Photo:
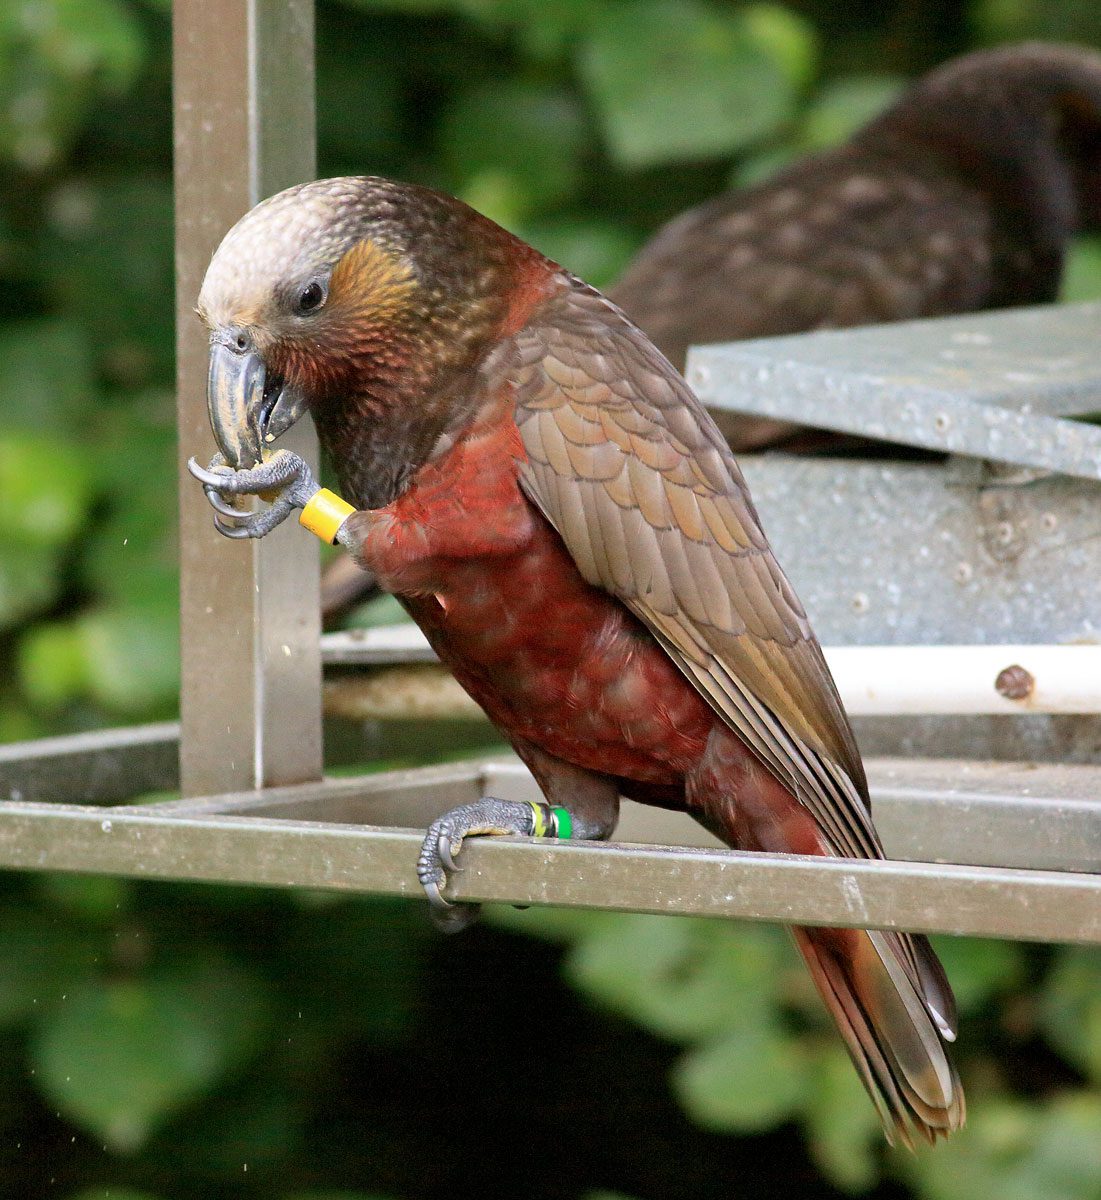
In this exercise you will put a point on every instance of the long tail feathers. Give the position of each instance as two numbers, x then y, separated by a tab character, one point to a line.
895	1022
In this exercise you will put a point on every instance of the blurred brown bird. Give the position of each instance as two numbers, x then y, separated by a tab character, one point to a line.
961	197
556	510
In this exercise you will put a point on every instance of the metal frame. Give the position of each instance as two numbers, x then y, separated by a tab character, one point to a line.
1001	849
243	87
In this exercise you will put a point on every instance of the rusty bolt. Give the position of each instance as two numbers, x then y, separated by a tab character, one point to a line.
1015	683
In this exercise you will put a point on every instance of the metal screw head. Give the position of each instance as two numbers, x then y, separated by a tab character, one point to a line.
942	422
963	572
860	603
1003	533
1015	683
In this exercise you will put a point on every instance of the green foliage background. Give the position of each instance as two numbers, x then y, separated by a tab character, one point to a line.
160	1042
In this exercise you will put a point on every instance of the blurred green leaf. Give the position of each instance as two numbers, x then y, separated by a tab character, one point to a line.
1016	1151
791	40
46	384
551	924
45	491
29	579
531	135
1070	1008
843	1128
683	979
752	1078
1082	276
118	1057
543	29
980	969
106	258
1052	20
126	659
842	106
98	899
54	59
52	665
597	251
133	657
42	961
674	81
756	168
132	553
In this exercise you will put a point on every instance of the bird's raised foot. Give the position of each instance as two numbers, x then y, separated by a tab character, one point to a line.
285	474
484	818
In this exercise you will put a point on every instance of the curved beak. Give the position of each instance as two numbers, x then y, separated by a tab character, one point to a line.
249	406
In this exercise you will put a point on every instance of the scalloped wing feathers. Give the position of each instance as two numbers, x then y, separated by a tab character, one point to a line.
628	467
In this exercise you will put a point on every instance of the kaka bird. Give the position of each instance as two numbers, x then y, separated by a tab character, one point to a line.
962	196
563	520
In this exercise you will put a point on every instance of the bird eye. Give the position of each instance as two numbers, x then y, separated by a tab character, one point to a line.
312	296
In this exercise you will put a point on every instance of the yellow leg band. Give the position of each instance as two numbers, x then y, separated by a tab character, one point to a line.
538	823
324	514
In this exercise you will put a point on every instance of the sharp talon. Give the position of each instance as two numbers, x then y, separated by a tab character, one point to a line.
435	896
212	479
237	532
447	850
219	504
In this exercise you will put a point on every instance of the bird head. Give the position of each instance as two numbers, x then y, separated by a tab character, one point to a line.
345	289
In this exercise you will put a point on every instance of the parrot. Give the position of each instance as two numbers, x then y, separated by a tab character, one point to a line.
552	505
963	195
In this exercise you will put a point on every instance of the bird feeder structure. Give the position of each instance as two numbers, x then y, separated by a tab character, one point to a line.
957	599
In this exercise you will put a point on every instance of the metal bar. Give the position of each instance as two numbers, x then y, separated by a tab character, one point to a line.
106	767
244	128
986	813
993	386
977	814
981	901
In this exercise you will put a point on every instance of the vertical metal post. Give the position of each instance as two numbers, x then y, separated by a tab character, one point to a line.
251	674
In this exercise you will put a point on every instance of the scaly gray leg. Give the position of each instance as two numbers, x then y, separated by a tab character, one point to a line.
590	801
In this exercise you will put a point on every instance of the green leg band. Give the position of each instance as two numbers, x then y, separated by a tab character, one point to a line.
563	823
550	822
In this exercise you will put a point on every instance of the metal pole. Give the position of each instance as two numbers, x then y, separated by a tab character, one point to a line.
244	128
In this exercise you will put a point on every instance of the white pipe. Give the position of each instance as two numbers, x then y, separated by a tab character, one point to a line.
908	680
898	680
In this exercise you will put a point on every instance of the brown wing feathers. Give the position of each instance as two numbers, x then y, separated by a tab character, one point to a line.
656	511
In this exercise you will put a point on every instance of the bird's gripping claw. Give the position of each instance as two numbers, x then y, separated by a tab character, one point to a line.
485	817
285	477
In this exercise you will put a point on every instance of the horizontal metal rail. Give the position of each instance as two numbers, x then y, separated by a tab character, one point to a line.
987	901
985	822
